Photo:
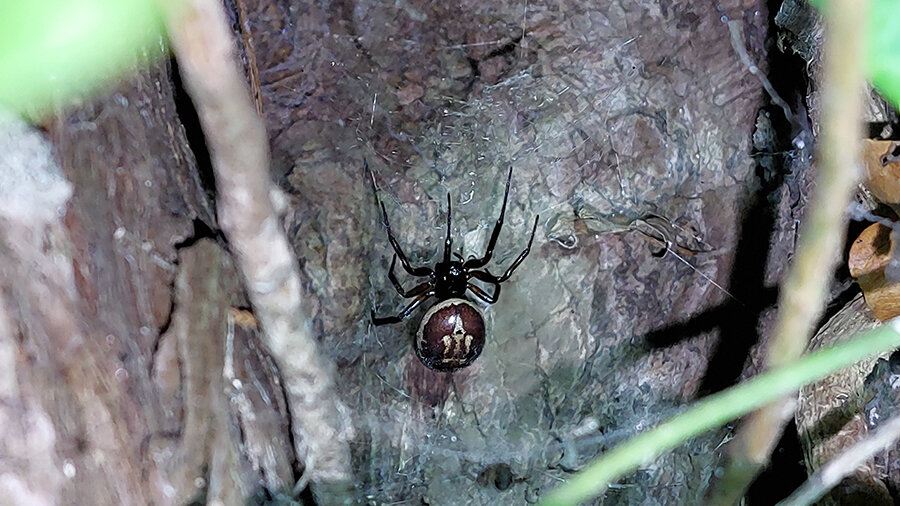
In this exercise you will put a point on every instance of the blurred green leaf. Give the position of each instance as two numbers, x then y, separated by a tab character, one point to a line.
882	46
54	50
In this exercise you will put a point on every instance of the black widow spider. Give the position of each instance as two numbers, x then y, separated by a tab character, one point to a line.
452	333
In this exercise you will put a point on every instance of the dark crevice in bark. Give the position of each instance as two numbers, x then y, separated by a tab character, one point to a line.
201	231
507	49
787	72
184	107
164	328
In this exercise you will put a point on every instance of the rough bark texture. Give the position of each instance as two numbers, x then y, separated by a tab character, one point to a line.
629	124
616	116
36	318
119	326
830	415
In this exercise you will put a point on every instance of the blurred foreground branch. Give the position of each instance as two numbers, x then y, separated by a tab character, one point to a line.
802	296
238	148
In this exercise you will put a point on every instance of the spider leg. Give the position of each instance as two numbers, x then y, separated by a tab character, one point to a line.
487	277
448	243
484	276
477	263
490	298
407	266
403	314
490	278
404	293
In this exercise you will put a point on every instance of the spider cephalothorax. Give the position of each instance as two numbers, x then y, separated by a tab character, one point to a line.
452	332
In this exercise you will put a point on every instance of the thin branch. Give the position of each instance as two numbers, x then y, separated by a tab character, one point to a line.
238	146
844	464
737	43
803	294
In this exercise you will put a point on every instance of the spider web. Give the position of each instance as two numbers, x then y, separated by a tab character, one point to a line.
627	135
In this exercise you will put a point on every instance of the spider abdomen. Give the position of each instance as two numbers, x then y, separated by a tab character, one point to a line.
451	335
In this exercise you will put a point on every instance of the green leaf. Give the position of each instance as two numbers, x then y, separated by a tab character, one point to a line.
882	46
54	50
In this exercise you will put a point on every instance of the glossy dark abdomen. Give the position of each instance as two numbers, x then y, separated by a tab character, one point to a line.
451	335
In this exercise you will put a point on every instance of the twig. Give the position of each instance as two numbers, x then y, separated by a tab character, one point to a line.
844	464
803	294
737	43
238	146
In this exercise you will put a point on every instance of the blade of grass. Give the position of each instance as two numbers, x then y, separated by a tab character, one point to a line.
718	409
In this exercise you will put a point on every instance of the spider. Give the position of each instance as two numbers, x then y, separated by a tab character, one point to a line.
451	334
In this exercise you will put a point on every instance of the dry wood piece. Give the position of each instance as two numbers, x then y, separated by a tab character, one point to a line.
882	162
213	448
828	415
869	256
